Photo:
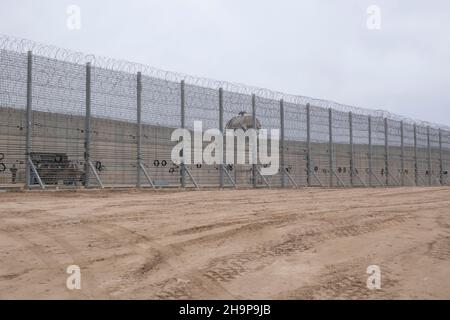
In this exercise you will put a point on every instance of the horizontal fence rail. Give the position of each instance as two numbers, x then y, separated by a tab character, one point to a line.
69	120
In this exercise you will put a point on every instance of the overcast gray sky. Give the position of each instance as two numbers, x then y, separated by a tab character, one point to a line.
321	49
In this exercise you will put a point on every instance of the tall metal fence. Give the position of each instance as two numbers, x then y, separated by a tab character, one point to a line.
73	120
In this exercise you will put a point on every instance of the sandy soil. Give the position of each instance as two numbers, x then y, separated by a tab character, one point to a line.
257	244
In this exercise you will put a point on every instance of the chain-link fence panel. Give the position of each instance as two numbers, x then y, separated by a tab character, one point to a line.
202	107
422	155
341	148
113	127
445	141
394	152
295	149
409	155
378	152
57	138
237	105
320	153
434	157
268	115
360	126
13	101
161	115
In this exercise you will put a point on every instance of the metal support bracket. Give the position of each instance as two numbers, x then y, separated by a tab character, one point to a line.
228	175
97	177
290	178
378	179
410	180
360	179
393	178
437	179
191	177
264	178
33	168
317	178
147	176
421	179
339	180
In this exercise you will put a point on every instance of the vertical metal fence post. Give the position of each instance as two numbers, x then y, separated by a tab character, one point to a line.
429	156
352	159
370	150
139	128
386	151
282	164
221	165
402	153
29	120
182	166
441	164
254	128
87	128
308	145
330	146
416	166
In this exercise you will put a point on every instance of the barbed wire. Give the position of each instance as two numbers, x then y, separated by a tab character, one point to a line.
125	67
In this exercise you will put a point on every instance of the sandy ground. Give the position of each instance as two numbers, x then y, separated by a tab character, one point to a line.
254	244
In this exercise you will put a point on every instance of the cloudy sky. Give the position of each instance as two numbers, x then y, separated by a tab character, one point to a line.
317	48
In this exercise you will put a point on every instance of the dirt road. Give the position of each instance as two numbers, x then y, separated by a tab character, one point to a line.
257	244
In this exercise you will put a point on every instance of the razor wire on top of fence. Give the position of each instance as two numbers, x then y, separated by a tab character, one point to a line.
82	110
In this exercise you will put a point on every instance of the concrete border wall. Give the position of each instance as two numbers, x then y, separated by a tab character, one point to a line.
114	147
